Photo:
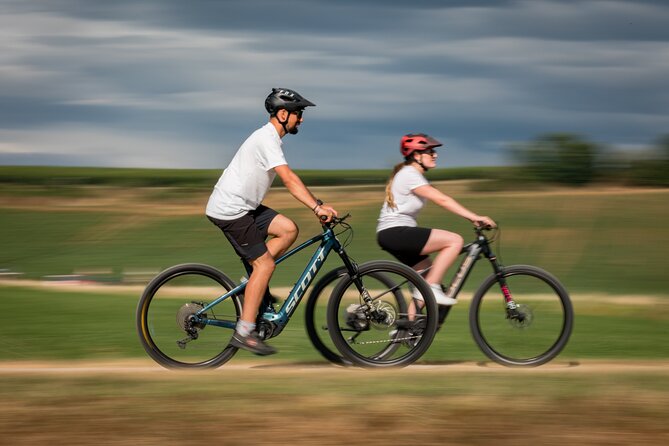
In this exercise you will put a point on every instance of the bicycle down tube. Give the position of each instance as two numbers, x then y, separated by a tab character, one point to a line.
280	318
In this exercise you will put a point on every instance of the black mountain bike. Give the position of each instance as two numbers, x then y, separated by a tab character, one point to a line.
520	315
188	313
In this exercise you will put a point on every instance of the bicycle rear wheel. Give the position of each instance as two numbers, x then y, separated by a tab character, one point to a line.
165	319
539	329
376	328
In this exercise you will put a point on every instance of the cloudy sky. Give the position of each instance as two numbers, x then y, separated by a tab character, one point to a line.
175	83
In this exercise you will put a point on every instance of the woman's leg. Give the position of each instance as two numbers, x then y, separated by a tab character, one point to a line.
448	246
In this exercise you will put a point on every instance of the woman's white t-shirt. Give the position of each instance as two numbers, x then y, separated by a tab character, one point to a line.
407	204
245	182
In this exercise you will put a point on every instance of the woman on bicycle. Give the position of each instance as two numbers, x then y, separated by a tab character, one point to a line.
406	193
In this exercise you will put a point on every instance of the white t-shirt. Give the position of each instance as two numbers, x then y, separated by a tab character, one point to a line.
244	183
407	204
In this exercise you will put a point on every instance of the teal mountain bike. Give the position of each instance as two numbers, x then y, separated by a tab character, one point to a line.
187	313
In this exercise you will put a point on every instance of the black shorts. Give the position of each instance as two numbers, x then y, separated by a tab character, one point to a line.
247	233
405	243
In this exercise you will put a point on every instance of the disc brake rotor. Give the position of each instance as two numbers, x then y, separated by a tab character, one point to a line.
524	317
387	313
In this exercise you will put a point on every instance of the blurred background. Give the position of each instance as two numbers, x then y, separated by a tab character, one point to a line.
117	118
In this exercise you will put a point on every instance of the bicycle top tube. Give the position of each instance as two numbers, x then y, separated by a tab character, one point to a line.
327	234
328	243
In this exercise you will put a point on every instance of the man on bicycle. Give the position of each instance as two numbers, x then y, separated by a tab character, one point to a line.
235	206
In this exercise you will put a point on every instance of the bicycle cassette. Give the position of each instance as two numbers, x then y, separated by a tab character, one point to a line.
186	317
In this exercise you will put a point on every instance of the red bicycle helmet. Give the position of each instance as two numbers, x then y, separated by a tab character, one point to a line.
416	142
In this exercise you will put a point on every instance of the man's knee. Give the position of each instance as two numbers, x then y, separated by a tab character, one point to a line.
284	227
292	230
264	263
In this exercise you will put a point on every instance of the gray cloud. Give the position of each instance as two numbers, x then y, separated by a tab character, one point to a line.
172	83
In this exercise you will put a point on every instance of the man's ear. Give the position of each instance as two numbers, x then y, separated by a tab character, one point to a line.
282	115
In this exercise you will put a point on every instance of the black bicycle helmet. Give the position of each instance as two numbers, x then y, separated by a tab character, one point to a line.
285	98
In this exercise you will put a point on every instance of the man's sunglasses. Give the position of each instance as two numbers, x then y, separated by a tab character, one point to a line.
298	113
428	152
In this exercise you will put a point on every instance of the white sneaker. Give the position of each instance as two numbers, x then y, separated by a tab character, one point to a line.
439	295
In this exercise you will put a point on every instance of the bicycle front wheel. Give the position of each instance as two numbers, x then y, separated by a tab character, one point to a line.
378	326
315	316
536	331
166	322
315	313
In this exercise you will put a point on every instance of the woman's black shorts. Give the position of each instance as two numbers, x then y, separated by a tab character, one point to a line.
405	243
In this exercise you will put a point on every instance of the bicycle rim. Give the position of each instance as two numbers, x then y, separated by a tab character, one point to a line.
539	333
315	316
387	334
165	309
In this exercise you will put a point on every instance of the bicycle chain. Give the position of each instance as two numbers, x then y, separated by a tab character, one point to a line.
388	340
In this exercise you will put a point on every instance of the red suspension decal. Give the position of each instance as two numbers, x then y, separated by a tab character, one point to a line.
507	293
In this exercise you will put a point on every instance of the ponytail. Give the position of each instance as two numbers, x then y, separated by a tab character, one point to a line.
389	195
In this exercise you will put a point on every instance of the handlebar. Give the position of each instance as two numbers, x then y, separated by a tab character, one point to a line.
479	228
334	222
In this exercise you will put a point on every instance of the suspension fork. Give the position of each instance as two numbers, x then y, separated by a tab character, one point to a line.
353	271
498	269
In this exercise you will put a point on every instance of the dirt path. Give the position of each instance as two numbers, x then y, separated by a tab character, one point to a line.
91	287
146	366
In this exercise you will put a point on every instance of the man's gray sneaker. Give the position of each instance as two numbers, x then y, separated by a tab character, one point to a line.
252	343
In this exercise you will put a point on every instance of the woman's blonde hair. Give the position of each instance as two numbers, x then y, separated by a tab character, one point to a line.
389	195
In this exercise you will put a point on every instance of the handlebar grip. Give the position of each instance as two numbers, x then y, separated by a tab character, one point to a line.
481	226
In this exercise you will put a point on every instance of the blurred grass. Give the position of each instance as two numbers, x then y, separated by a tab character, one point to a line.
502	407
594	240
52	323
606	245
600	242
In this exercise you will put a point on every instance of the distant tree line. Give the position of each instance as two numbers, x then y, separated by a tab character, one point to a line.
555	158
567	159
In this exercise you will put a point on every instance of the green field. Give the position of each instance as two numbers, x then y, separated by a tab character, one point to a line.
62	322
609	385
608	241
606	245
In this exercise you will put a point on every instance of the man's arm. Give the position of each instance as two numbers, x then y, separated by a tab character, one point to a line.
298	190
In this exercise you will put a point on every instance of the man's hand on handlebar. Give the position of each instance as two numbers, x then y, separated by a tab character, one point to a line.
325	213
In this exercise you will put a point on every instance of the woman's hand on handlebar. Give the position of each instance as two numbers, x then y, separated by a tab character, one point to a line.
484	222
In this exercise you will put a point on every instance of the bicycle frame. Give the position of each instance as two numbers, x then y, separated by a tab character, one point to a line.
328	243
474	250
